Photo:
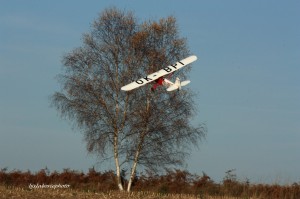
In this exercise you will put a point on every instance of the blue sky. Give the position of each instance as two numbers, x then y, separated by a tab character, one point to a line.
247	80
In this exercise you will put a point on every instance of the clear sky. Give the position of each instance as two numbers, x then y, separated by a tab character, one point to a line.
247	80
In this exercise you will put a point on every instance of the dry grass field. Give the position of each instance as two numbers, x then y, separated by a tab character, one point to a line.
22	193
173	184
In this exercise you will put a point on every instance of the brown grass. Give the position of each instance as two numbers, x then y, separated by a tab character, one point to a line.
21	193
172	184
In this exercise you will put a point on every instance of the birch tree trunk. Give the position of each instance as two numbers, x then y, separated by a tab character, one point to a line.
135	162
139	148
118	170
133	170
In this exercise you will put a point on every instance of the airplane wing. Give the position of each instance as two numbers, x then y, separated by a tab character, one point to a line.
160	73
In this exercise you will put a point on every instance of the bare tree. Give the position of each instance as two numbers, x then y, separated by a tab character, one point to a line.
137	127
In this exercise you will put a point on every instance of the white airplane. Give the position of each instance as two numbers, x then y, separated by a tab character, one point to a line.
159	79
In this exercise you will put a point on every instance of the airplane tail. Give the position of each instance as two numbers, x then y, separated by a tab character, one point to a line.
178	85
172	87
186	82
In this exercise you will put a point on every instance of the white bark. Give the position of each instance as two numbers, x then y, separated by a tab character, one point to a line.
132	175
116	156
119	181
138	151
